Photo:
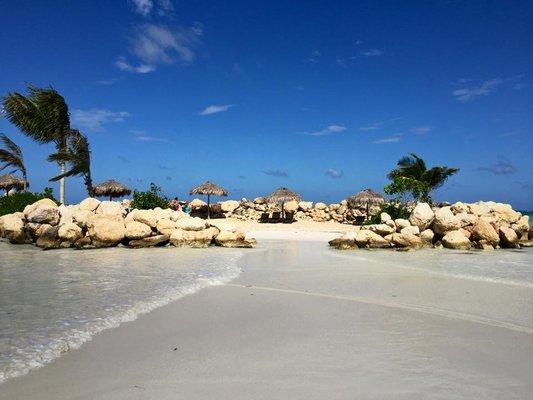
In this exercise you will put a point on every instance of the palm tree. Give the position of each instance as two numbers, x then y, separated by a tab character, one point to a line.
11	156
413	168
78	157
42	115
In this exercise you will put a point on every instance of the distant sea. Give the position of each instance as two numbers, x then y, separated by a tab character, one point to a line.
530	213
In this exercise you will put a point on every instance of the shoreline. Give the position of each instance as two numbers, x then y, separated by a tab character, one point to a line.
233	339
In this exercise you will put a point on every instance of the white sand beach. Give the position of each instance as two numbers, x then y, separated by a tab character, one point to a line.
303	321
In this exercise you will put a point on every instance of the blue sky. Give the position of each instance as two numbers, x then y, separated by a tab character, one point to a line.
323	97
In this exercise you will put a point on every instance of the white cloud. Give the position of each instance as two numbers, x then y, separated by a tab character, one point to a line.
94	118
334	173
123	65
330	130
389	139
422	130
372	53
145	7
213	109
484	89
144	137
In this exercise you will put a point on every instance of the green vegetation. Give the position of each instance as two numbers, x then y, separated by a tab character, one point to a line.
17	201
411	177
43	116
78	157
11	157
150	199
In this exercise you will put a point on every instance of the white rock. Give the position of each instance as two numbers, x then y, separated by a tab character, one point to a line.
110	208
137	230
70	232
166	226
422	216
445	221
105	229
191	224
89	204
229	206
402	223
320	206
305	205
385	217
456	240
410	230
44	214
43	202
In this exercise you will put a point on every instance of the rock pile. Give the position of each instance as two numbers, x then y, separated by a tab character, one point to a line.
481	225
303	210
95	224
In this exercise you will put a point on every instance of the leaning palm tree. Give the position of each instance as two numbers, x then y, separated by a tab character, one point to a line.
78	157
413	168
42	115
11	157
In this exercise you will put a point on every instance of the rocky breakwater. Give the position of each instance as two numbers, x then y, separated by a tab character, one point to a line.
481	225
303	210
95	224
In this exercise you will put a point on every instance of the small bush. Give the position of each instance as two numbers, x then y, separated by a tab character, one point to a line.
395	210
150	199
18	201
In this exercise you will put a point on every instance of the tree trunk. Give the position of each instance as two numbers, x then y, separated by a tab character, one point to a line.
62	184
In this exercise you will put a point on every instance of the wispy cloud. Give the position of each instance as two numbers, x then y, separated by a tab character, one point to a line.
329	130
277	172
473	92
502	167
144	137
334	173
145	7
95	118
374	126
372	53
389	139
214	109
123	65
422	130
157	44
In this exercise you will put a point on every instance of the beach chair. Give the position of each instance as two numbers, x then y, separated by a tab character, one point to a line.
359	220
289	218
264	218
276	217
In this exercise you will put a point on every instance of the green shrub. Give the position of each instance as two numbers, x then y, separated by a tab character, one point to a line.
18	201
395	210
150	199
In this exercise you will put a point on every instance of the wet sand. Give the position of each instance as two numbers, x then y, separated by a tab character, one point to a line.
306	322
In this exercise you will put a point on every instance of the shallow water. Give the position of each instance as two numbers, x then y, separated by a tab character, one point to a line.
53	301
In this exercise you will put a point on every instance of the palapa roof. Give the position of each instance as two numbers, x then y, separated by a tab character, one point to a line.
111	188
365	197
209	188
283	195
10	181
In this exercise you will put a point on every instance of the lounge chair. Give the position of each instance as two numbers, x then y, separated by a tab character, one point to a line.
264	217
276	217
289	218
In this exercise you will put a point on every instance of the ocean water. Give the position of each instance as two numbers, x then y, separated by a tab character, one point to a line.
53	301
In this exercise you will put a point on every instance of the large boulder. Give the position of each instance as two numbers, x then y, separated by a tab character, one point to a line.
412	230
401	223
459	207
521	227
166	226
456	240
12	228
197	204
191	224
384	217
422	216
259	200
147	217
229	206
194	239
48	237
43	202
291	206
105	230
406	240
508	237
80	217
380	229
305	205
137	230
44	214
66	214
152	241
70	232
110	208
505	212
178	215
445	221
483	230
230	239
366	238
466	219
320	206
89	204
223	225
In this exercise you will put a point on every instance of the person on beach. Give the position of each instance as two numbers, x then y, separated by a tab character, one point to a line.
175	204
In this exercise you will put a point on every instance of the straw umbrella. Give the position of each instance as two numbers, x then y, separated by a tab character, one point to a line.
365	197
283	195
10	181
112	189
209	189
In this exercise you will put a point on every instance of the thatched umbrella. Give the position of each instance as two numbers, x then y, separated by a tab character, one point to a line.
209	189
367	198
9	181
112	189
283	195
